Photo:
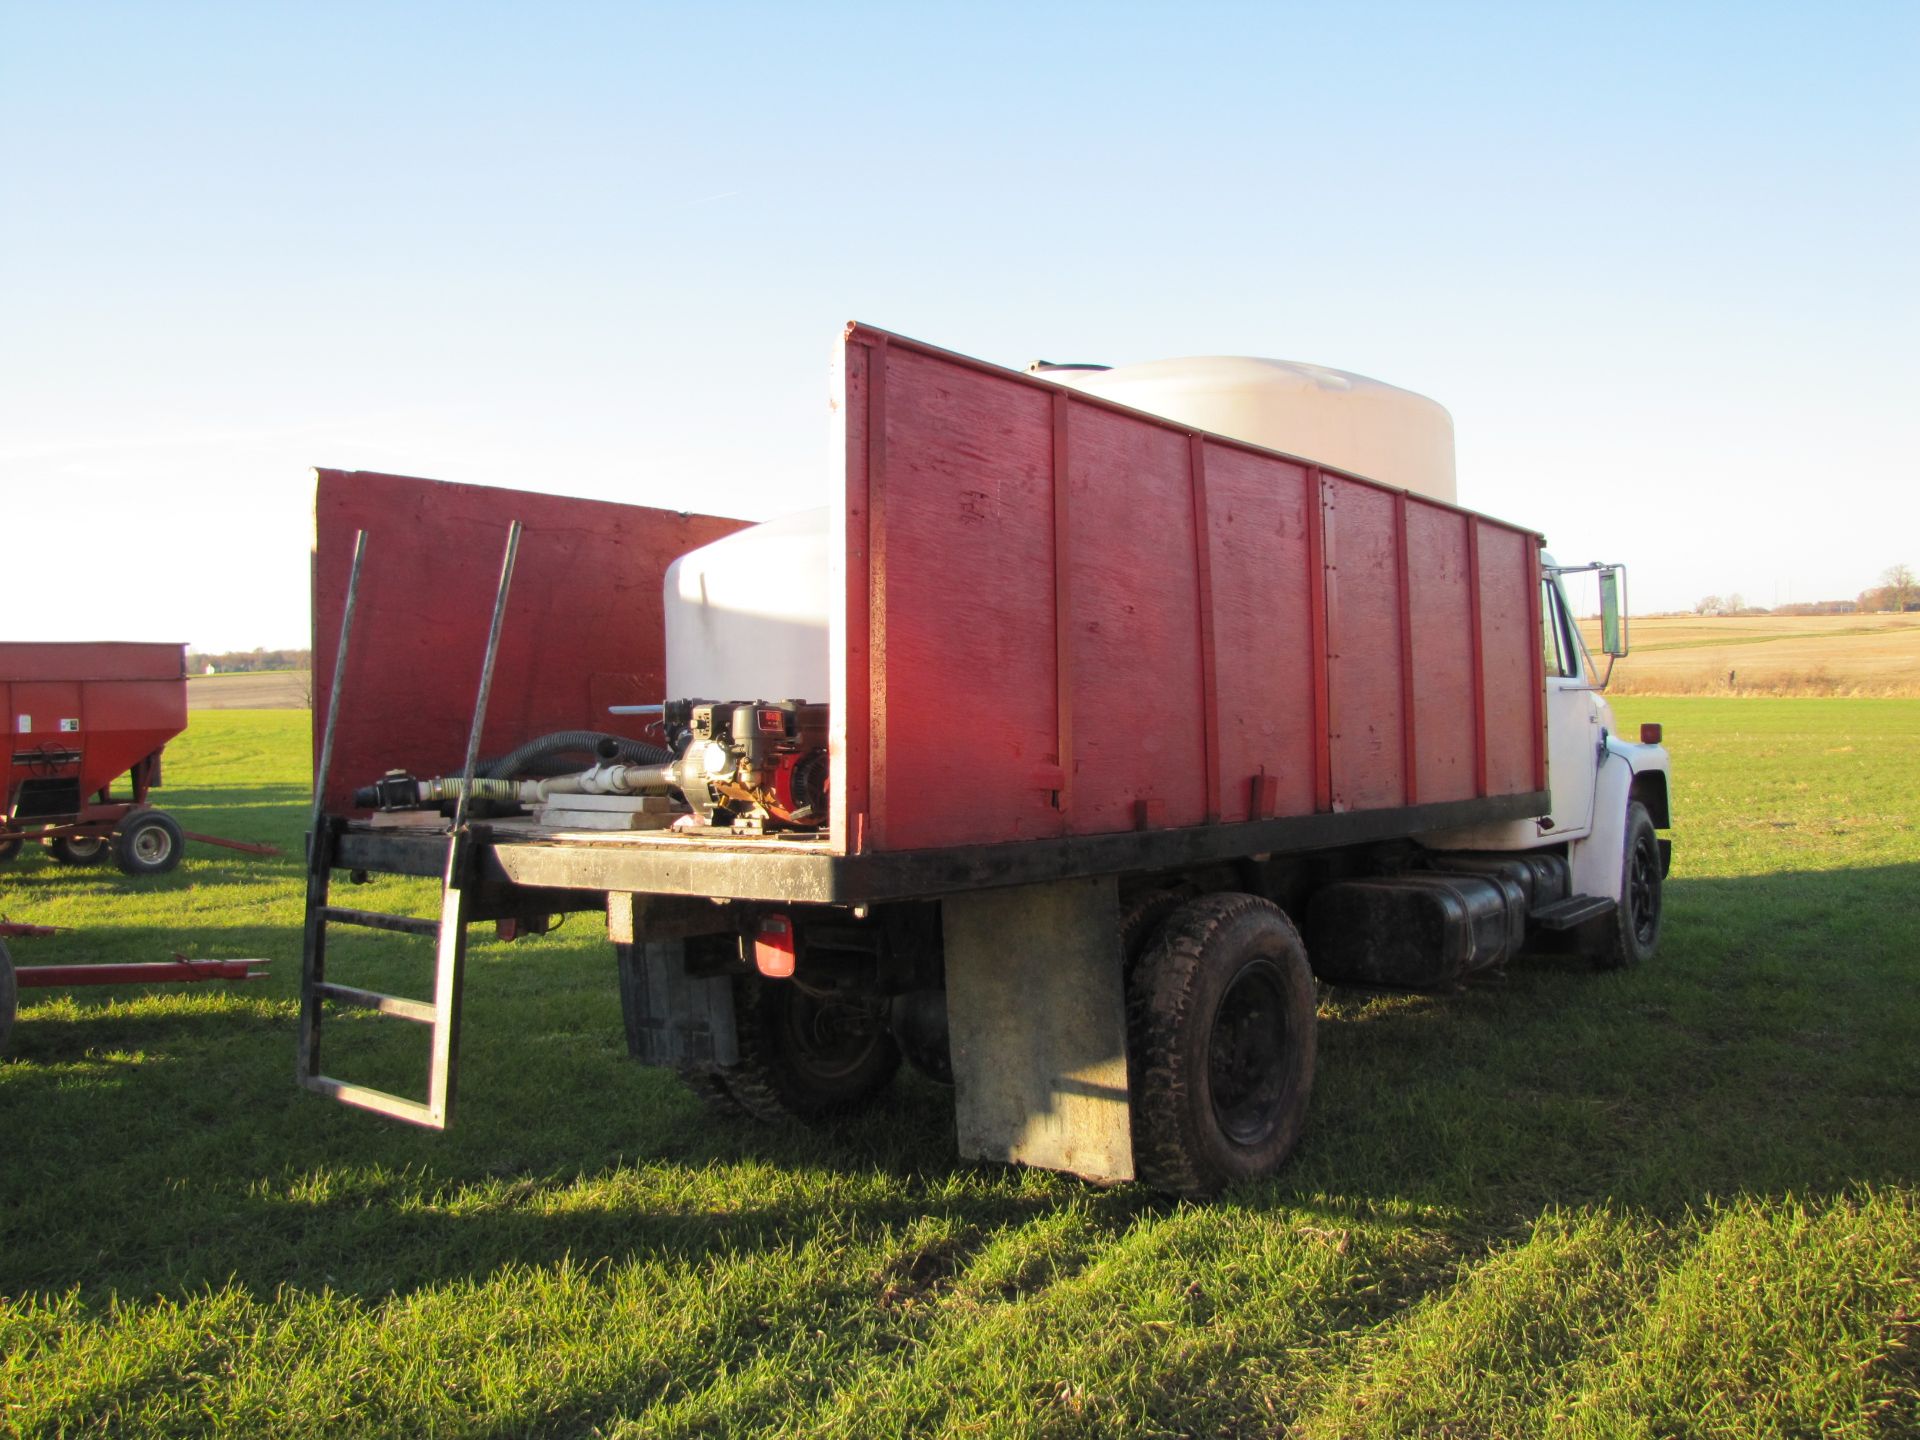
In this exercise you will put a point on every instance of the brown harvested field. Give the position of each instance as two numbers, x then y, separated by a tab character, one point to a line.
261	690
1769	655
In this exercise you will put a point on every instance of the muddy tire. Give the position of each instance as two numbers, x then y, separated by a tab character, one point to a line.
1636	934
802	1057
1220	1016
1142	923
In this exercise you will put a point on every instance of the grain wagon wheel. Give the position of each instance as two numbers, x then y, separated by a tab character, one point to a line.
78	849
149	843
1220	1015
9	848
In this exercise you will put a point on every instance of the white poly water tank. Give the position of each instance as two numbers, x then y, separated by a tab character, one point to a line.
1338	419
747	615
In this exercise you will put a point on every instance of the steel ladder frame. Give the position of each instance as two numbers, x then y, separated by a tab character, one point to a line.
449	932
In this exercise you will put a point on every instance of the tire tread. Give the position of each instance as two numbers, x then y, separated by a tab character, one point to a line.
1160	1005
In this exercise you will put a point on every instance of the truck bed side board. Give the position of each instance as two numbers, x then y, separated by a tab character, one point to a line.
1067	618
584	628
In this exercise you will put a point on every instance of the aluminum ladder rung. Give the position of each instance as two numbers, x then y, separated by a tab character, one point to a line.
375	920
421	1012
365	1097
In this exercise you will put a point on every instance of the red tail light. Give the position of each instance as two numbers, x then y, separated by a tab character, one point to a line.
773	947
1650	734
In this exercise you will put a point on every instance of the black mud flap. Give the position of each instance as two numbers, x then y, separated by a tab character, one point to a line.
681	1021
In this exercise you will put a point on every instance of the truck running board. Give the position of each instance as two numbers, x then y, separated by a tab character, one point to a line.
1575	910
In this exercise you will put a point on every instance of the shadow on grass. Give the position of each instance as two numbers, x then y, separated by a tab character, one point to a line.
162	1146
1765	1050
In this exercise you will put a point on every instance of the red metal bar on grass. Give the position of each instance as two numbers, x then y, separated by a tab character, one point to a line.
19	929
251	847
162	972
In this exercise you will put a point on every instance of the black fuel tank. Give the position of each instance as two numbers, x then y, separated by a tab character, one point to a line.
1418	931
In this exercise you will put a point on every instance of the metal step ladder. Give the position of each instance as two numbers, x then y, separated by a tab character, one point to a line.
448	933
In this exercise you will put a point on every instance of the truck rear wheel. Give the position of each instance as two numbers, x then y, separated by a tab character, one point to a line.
803	1055
1637	934
1221	1023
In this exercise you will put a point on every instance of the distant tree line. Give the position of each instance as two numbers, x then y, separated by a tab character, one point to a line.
1734	604
230	661
1818	607
1897	591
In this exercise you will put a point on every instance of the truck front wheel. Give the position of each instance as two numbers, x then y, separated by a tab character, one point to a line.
1221	1023
805	1055
1637	934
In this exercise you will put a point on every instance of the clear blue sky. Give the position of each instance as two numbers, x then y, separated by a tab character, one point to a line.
1658	260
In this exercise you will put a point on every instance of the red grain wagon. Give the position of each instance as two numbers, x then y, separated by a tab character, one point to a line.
79	717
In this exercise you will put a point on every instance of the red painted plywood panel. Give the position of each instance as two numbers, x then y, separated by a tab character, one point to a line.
584	621
1509	571
1365	714
1137	681
1442	652
1258	510
1002	618
963	611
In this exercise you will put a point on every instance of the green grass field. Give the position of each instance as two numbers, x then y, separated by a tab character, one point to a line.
1678	1201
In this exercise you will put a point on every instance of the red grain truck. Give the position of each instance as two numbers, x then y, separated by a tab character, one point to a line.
1087	737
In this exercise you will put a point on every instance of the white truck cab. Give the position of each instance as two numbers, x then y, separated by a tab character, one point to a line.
1609	794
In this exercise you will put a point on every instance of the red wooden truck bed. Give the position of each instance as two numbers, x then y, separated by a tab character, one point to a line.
1075	639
